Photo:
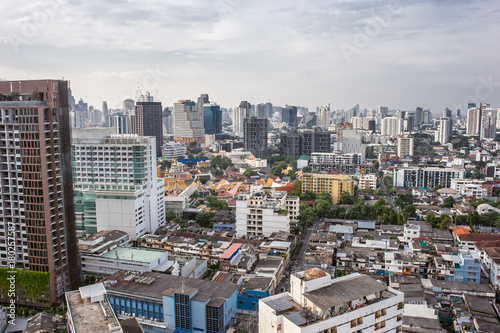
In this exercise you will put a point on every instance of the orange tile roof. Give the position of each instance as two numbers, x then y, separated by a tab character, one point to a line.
460	231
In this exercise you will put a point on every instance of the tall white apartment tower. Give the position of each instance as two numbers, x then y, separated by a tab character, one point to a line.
405	145
444	130
115	183
391	126
324	116
473	121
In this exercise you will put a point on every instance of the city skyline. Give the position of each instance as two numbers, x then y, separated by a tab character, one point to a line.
299	53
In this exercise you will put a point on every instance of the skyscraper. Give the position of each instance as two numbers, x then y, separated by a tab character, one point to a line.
324	116
311	120
255	136
391	126
447	113
212	118
405	145
261	111
188	125
105	113
202	100
128	106
269	109
488	123
418	116
289	115
148	121
121	122
37	185
127	195
473	121
444	130
382	110
305	142
426	117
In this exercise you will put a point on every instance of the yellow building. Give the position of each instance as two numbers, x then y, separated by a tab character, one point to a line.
333	184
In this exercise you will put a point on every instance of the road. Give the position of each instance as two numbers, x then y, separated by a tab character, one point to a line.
299	260
387	197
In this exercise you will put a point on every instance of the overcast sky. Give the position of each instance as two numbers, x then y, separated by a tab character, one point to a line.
401	54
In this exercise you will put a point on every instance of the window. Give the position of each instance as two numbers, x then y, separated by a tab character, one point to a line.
182	311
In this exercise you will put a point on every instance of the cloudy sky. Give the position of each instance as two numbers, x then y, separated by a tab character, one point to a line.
403	54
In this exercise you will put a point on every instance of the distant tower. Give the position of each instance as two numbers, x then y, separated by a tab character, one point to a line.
255	136
105	113
202	100
148	121
488	123
324	116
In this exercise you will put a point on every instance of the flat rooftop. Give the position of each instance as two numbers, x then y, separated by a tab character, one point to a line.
215	293
90	317
134	254
344	291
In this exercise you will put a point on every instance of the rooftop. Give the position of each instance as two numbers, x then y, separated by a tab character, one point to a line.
81	310
215	293
134	254
344	291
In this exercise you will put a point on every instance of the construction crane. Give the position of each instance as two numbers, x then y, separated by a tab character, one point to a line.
139	96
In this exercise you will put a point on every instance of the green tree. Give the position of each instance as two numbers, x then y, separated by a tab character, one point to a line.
444	223
448	202
250	173
325	196
204	219
323	207
346	198
297	191
292	174
308	195
170	215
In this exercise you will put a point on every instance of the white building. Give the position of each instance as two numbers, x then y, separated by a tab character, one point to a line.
428	177
391	126
411	231
175	150
473	121
368	182
115	183
261	214
238	115
405	145
324	116
318	303
469	187
443	134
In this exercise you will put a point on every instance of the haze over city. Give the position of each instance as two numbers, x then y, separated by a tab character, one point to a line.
402	54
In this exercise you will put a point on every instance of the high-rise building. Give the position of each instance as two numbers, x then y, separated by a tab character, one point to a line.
372	125
444	130
212	118
474	121
168	119
200	102
115	183
147	121
426	117
187	122
239	113
391	126
447	113
409	122
121	122
324	116
383	110
333	184
305	142
459	113
311	120
128	106
269	110
405	145
357	122
261	111
289	115
341	127
37	187
255	136
105	113
488	123
498	118
418	116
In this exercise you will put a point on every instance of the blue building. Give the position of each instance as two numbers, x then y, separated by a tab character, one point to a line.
165	303
212	118
467	269
289	115
253	290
